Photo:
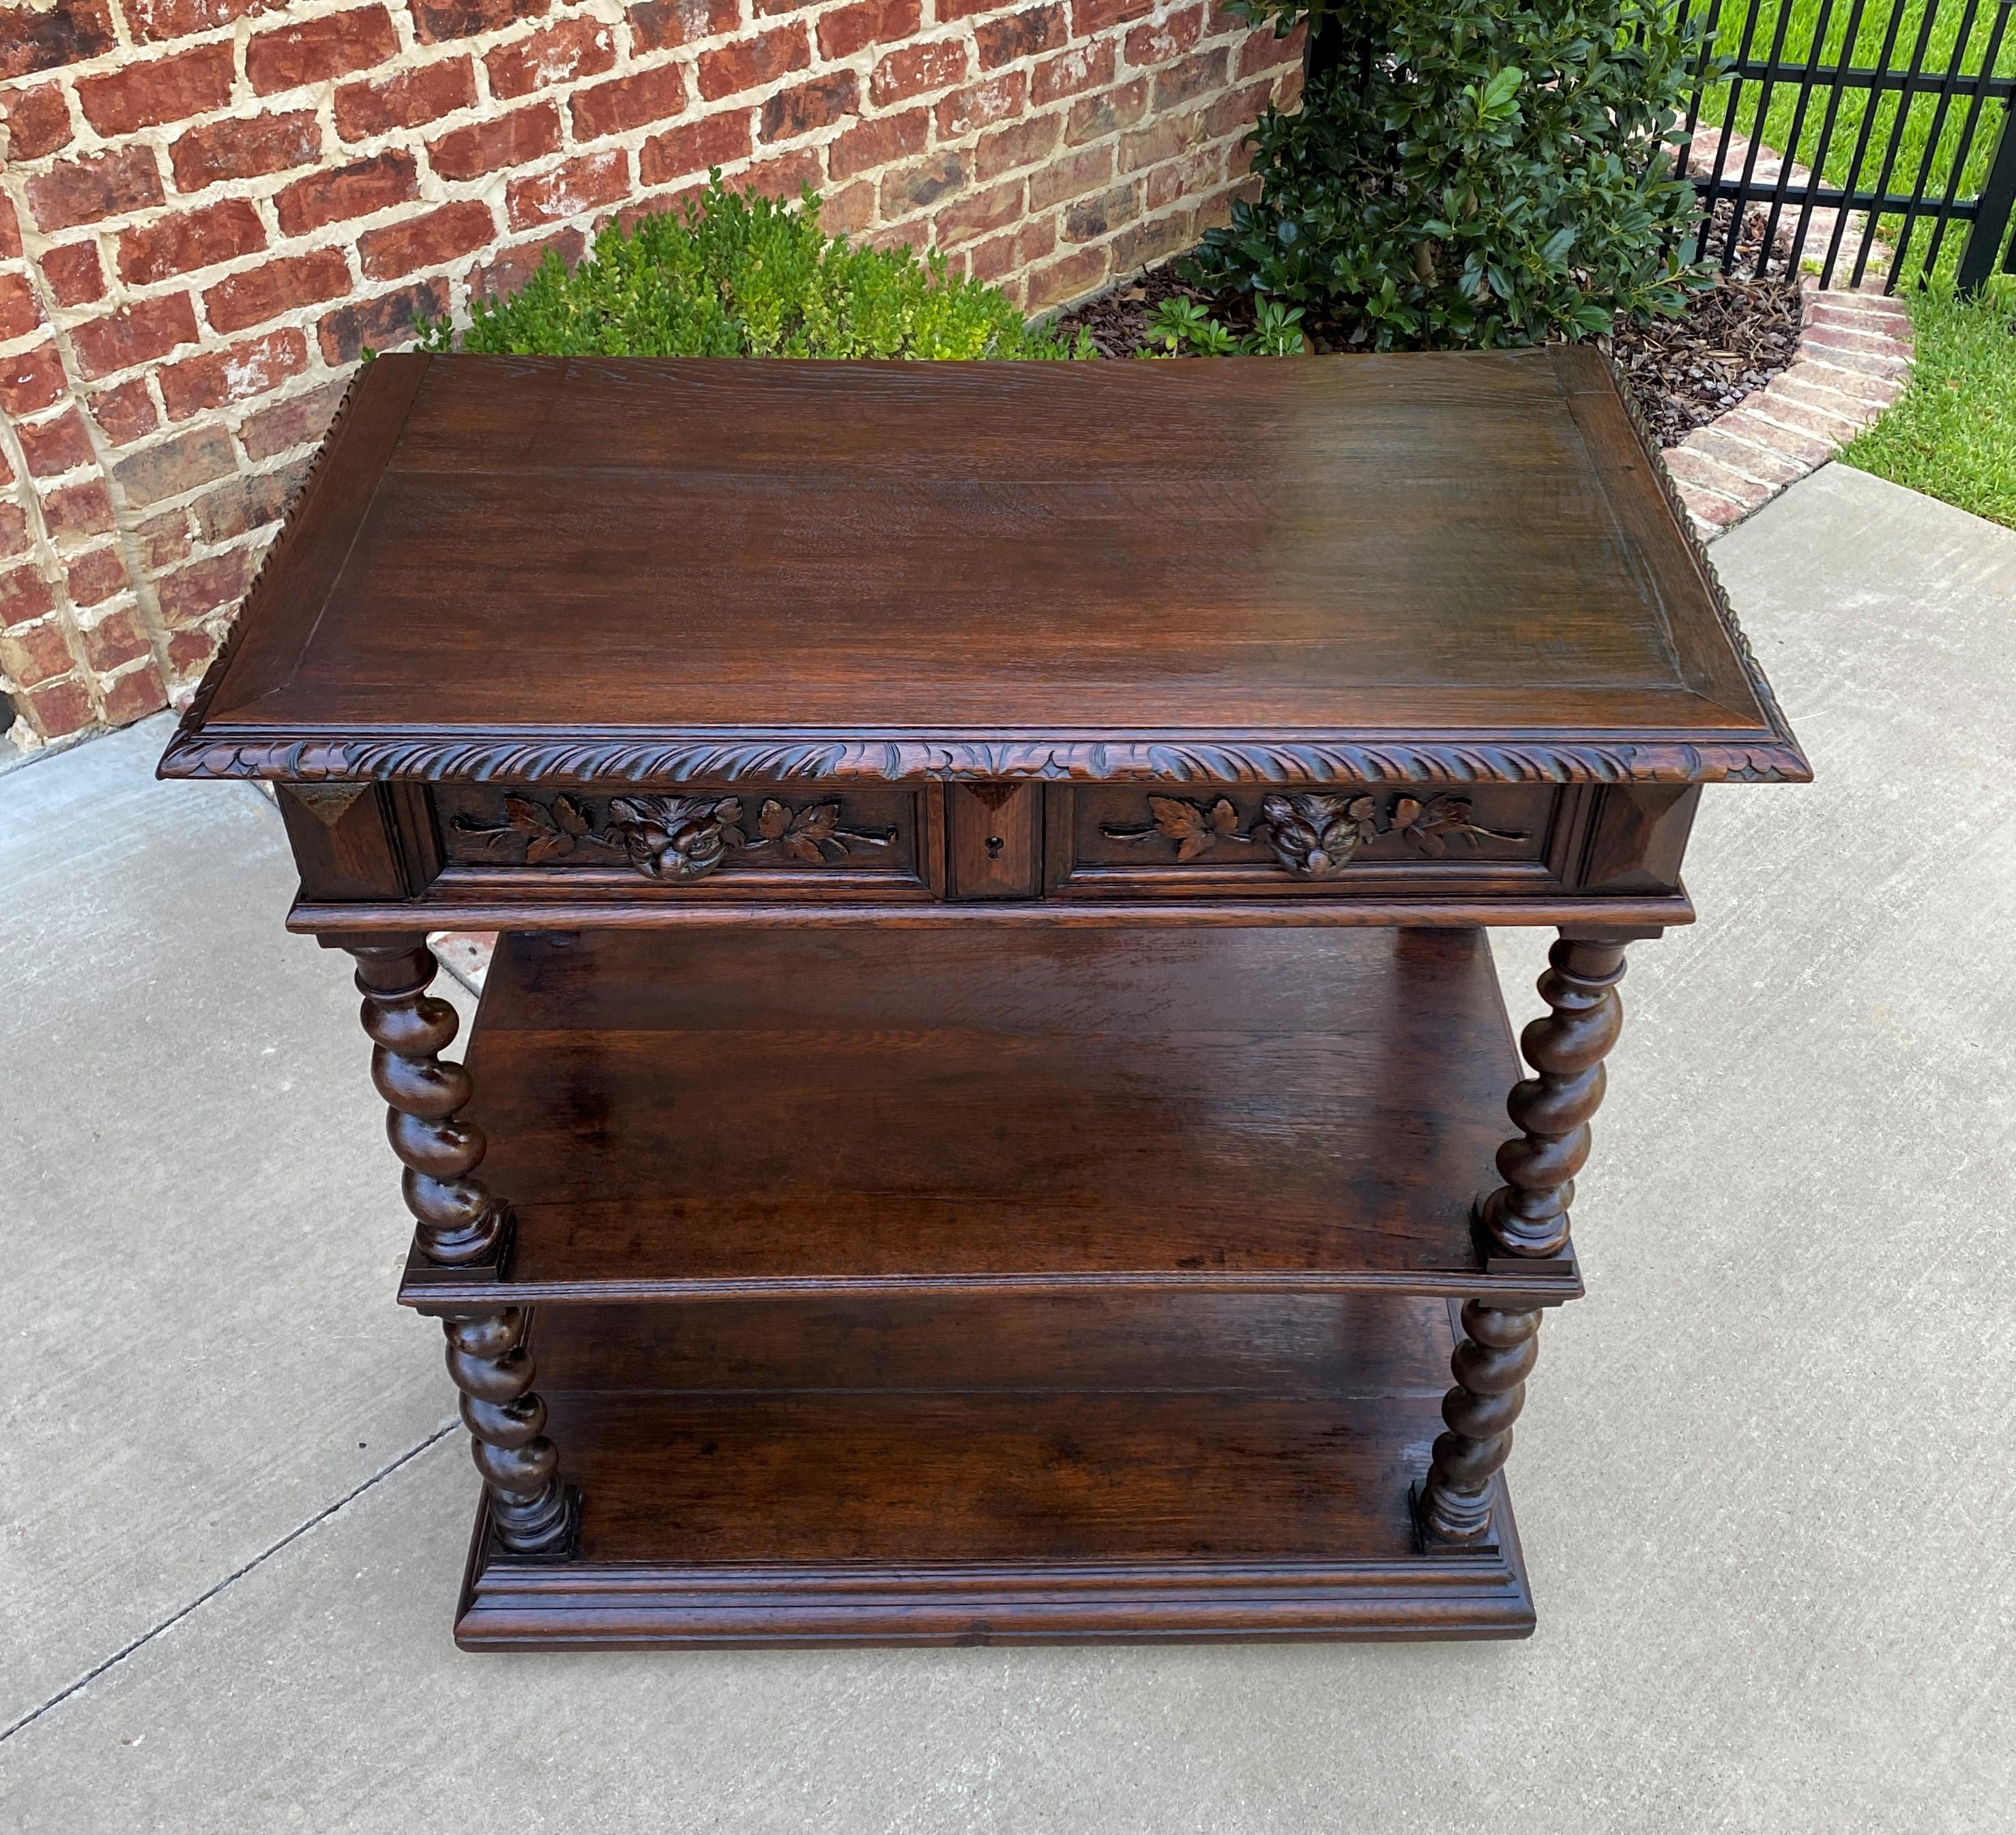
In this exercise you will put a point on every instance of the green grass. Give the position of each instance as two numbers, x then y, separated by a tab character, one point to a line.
1952	434
1903	140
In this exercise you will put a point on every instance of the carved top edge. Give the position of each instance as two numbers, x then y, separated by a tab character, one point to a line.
579	759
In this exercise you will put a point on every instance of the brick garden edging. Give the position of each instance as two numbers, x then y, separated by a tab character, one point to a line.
1854	353
208	207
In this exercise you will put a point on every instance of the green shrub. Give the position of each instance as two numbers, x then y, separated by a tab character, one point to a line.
1471	172
737	274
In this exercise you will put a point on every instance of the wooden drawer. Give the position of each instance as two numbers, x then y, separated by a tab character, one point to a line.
708	841
1332	840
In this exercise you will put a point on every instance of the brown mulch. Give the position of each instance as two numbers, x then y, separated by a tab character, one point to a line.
1734	337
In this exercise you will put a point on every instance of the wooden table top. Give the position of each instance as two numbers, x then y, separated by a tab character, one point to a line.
1370	568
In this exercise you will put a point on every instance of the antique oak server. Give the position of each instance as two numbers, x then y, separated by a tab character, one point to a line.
987	1121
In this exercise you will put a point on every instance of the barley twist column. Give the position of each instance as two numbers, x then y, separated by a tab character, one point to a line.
528	1504
1527	1216
460	1223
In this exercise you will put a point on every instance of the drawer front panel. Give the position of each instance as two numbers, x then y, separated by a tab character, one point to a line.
1349	840
709	841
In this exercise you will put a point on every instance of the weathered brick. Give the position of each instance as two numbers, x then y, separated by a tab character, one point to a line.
31	654
714	140
435	21
253	366
1094	118
293	422
355	190
365	109
164	89
1262	51
78	510
190	592
661	25
1072	72
510	268
1020	247
50	448
1185	177
849	29
91	579
274	287
563	53
13	527
249	148
849	210
1070	277
285	57
155	21
877	142
24	595
1166	137
116	638
1000	98
379	323
31	379
97	184
753	61
1021	145
18	313
976	216
1750	424
1072	176
1091	217
1819	421
60	709
35	38
566	191
1235	110
125	412
914	69
197	239
73	271
162	540
1090	17
946	12
132	696
1020	34
36	121
10	230
515	139
191	653
785	175
239	505
1141	244
1185	82
811	105
1760	463
190	458
918	187
136	333
631	102
1160	40
426	241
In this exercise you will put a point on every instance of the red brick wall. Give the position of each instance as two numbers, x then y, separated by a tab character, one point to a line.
210	206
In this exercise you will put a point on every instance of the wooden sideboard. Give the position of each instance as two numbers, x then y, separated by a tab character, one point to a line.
989	1118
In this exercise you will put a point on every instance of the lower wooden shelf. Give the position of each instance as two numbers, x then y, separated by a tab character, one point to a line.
995	1469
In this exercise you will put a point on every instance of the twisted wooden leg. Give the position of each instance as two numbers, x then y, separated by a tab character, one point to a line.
1529	1214
460	1223
529	1506
1526	1217
1490	1366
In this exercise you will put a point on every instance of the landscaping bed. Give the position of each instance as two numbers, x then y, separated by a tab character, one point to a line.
1734	337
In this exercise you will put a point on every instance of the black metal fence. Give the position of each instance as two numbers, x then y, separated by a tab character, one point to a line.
1857	169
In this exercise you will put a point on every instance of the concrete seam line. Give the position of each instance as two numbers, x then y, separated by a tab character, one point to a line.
264	1555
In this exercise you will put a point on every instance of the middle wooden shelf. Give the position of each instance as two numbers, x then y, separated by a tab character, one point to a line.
765	1110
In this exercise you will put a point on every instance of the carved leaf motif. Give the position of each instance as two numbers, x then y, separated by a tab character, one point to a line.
567	813
773	819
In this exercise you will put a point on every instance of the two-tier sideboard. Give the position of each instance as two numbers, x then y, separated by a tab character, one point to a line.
989	1118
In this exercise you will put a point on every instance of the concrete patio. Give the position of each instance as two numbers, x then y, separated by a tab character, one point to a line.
1763	1478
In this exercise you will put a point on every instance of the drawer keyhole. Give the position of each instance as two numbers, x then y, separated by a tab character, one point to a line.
995	844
